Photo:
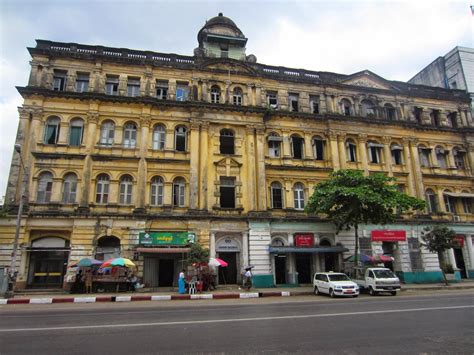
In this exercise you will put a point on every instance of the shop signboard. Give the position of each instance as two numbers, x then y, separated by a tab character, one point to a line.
459	241
227	245
166	238
305	240
389	236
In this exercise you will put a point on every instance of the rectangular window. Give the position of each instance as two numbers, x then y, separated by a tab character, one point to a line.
314	104
59	80
69	195
352	152
162	90
418	112
75	139
125	194
111	85
318	146
156	194
272	100
227	192
424	157
274	148
297	147
467	205
396	156
293	102
133	87
182	92
277	197
82	82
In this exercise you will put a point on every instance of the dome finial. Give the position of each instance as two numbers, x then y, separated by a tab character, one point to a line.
221	14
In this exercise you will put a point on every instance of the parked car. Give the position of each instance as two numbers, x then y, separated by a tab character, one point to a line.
377	279
334	284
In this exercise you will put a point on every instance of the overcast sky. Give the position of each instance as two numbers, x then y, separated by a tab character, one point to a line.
394	39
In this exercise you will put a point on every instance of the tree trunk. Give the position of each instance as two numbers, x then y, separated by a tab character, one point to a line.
442	264
356	253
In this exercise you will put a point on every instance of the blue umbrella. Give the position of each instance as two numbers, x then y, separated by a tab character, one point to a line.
362	258
88	262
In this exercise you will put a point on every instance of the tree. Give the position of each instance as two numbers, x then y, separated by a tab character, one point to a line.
437	240
197	254
349	199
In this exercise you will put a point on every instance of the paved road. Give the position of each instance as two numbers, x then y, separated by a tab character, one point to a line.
442	323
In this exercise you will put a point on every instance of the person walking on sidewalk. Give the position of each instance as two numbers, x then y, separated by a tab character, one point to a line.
88	281
248	279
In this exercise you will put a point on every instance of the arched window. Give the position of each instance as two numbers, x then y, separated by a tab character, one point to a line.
397	154
108	247
298	193
237	96
431	201
375	152
130	135
215	94
368	108
276	195
51	130
441	155
102	189
69	188
180	139
351	150
346	107
227	141
179	190
45	187
424	154
449	202
390	112
459	158
159	137
297	146
126	186
319	145
107	133
76	132
274	145
156	198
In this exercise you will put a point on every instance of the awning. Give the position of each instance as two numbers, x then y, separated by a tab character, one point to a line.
163	250
396	147
375	145
459	194
283	250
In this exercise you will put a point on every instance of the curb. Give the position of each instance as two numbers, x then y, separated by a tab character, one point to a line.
138	298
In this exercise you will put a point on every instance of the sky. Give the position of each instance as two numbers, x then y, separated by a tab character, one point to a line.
394	39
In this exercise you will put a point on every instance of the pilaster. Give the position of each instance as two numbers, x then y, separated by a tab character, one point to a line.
251	174
194	166
387	155
362	145
332	136
261	184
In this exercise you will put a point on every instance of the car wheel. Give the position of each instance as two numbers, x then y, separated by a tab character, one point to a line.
372	292
331	293
393	293
316	291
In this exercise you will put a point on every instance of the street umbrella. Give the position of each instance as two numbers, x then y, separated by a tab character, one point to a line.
382	258
249	267
87	262
118	262
217	262
362	258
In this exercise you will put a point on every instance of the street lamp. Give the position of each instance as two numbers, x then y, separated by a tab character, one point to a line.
12	274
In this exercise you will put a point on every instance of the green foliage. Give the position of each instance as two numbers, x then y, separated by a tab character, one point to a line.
349	198
438	238
197	254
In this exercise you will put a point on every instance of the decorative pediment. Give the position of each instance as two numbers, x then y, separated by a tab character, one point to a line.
228	162
222	65
369	80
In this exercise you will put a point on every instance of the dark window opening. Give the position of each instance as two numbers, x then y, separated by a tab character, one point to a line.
277	196
396	156
297	145
318	149
418	113
180	143
59	80
293	99
452	119
227	192
435	118
111	85
227	142
161	90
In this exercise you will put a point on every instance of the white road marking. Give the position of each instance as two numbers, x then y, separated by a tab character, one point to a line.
131	325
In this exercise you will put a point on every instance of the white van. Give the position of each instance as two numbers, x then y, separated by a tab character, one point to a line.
377	279
334	284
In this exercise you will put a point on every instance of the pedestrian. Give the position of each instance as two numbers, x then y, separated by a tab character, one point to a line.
181	283
88	281
248	279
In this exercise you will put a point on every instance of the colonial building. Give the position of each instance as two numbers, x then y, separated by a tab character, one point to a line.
140	153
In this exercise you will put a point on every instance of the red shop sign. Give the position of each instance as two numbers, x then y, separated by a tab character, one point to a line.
304	240
459	240
389	236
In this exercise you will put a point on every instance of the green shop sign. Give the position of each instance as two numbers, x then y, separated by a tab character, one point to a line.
166	238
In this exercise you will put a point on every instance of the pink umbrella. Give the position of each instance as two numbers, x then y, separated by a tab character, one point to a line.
217	262
382	258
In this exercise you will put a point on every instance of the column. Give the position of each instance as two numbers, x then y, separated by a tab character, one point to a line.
308	146
56	191
470	157
452	259
387	155
204	91
361	142
247	98
145	122
341	144
332	135
408	167
442	205
257	100
329	107
286	153
169	140
194	166
470	251
212	245
261	183
203	181
245	248
251	157
92	119
450	159
417	174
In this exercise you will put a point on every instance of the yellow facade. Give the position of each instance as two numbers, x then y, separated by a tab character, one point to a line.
363	112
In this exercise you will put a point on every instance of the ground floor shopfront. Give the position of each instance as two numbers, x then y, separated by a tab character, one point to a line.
282	252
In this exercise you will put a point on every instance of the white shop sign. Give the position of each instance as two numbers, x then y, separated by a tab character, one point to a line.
227	244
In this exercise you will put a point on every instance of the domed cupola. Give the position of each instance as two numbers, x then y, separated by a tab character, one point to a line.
221	38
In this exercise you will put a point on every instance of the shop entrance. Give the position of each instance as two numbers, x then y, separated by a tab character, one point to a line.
228	275
165	273
329	258
389	250
280	269
303	268
460	262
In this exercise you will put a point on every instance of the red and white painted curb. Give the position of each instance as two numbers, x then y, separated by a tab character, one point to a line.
133	298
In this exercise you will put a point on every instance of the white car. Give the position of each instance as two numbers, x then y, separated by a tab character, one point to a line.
334	284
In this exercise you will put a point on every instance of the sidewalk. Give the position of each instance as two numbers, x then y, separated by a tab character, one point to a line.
223	292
